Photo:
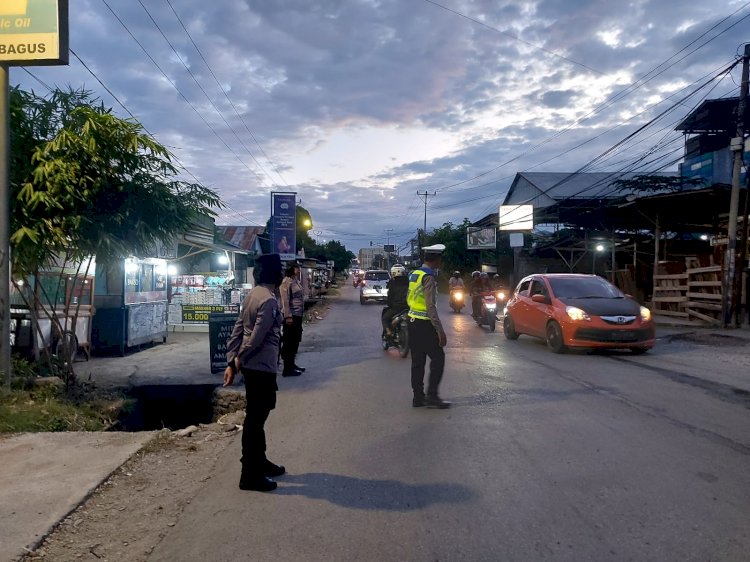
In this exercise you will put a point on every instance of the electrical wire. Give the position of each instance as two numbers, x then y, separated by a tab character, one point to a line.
226	94
182	95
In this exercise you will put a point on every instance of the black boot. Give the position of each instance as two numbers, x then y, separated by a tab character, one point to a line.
272	470
418	401
437	403
257	483
290	371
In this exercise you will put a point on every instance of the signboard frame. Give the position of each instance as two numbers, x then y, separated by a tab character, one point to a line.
284	224
481	238
62	34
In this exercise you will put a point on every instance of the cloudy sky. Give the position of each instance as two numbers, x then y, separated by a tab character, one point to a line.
358	104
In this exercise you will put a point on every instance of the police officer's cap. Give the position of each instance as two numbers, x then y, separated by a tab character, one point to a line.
434	250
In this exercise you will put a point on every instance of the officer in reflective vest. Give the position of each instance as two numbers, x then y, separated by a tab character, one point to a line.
426	334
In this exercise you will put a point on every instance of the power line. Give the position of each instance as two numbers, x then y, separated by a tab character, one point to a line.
617	96
226	94
195	110
192	75
515	37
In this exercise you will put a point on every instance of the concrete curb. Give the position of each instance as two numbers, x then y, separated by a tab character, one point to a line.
47	476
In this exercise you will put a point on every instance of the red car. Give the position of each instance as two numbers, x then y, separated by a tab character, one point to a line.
583	311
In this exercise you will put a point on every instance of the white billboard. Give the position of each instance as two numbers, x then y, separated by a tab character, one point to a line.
478	238
517	217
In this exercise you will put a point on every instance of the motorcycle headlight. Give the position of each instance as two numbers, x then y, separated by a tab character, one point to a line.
491	306
458	295
645	314
576	313
501	295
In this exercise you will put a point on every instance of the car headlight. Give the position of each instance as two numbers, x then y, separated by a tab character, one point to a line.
576	313
645	314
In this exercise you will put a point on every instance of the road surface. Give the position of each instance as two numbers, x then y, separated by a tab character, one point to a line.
542	457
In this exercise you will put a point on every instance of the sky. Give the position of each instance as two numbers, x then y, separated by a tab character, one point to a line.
357	105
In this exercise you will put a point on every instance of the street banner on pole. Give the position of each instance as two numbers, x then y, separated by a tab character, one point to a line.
284	225
33	32
478	238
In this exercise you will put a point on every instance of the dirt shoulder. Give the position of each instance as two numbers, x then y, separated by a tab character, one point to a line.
127	516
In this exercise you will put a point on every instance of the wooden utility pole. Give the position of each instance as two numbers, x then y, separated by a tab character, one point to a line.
426	195
728	298
5	364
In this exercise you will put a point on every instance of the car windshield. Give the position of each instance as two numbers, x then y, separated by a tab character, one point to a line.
584	288
377	276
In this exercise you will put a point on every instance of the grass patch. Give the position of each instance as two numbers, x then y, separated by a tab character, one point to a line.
37	404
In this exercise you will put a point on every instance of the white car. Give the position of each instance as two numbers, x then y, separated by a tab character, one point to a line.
373	286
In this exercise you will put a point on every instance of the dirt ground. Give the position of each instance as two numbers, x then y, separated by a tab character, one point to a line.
130	513
127	516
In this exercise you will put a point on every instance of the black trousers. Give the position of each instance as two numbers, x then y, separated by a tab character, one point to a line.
260	393
424	342
290	340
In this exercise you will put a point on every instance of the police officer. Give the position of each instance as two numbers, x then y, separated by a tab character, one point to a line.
426	334
253	349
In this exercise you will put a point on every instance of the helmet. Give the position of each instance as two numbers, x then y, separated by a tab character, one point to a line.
475	274
397	270
483	275
496	276
456	274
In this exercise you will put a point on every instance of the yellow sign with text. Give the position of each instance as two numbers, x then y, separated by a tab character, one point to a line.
33	31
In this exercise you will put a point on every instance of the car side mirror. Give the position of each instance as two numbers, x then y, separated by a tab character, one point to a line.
540	299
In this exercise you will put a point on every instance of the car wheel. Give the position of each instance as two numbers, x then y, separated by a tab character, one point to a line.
509	328
639	350
555	337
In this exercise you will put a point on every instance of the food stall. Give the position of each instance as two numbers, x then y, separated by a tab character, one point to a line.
131	304
193	297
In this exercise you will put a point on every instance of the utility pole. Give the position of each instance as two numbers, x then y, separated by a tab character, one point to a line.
737	146
388	243
5	365
426	195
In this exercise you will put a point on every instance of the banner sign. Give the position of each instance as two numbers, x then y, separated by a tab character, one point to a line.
517	217
284	225
33	32
478	238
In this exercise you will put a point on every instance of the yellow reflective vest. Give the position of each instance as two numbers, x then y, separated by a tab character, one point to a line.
415	299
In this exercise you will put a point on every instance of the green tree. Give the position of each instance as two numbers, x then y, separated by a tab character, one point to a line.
85	182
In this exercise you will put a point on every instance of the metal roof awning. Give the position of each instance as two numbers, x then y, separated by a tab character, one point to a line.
197	245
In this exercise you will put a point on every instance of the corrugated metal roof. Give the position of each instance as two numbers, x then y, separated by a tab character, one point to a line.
241	236
543	189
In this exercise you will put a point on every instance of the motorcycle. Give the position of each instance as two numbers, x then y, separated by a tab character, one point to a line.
356	281
399	334
457	301
488	311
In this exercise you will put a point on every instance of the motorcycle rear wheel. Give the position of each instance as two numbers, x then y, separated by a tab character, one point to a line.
403	342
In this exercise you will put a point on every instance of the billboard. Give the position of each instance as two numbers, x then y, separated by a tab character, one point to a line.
481	238
33	32
389	248
284	225
517	217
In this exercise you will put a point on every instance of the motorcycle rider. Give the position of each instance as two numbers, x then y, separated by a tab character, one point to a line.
476	289
398	288
496	284
456	282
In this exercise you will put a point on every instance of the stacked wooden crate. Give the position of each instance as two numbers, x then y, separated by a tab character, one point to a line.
670	295
704	294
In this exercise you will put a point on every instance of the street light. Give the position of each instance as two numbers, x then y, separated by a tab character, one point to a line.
307	223
597	248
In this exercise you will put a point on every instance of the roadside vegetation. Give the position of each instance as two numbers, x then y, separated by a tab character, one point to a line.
37	403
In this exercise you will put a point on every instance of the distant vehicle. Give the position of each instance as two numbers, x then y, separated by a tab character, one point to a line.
582	311
373	286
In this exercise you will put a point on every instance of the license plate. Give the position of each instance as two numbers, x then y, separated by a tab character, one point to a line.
377	287
625	335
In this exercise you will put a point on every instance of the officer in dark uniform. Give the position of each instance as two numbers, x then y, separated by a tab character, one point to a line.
426	335
253	349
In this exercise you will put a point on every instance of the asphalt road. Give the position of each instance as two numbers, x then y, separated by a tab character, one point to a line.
542	457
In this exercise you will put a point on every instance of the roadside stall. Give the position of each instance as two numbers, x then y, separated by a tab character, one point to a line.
131	304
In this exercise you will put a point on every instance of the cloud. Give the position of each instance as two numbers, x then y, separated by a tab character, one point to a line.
360	103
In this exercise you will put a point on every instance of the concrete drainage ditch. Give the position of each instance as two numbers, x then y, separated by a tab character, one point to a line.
178	406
